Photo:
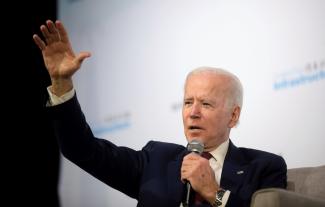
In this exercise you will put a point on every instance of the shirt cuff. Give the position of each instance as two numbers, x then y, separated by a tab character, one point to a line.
225	198
56	100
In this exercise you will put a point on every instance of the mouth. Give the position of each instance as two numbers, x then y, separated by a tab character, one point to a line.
194	127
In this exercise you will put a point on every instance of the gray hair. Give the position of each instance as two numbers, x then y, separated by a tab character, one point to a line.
236	88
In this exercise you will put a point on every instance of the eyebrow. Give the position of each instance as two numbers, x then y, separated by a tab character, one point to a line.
200	99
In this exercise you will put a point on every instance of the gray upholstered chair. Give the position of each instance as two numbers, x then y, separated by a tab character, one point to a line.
306	187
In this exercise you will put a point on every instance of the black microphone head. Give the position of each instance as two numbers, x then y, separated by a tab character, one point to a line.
195	146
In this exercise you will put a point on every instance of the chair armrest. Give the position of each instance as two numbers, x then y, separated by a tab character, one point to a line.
276	197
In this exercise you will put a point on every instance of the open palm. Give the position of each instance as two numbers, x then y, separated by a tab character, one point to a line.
59	58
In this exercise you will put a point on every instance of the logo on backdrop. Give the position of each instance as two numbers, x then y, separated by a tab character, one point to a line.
176	106
302	75
113	123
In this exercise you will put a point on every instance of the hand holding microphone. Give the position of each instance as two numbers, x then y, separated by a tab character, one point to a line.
196	172
197	147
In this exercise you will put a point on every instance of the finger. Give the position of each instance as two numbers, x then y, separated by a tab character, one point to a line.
185	176
191	156
50	26
186	169
189	162
39	42
46	34
62	31
183	179
53	31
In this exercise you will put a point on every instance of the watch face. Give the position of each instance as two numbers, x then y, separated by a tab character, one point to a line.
218	201
220	193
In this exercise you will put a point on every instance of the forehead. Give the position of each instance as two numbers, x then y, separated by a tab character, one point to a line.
206	83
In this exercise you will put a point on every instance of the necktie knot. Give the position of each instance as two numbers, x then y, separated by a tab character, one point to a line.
206	155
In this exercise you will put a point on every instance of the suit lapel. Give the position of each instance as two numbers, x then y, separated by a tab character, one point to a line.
175	185
234	169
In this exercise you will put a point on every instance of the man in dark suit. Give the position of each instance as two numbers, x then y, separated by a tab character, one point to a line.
156	175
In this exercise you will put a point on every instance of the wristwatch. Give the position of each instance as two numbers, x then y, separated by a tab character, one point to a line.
218	201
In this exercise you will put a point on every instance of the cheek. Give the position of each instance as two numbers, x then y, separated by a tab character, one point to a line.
185	113
217	120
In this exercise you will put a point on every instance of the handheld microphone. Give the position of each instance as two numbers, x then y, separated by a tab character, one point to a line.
195	146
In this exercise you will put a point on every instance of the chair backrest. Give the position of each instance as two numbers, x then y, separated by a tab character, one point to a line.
308	181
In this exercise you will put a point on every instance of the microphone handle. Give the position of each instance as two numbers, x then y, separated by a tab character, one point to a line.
188	190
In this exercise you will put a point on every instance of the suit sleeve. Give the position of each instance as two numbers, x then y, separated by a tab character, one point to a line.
118	167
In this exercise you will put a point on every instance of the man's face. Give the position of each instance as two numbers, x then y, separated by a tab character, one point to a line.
205	113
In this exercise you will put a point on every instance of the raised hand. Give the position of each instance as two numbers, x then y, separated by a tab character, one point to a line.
59	58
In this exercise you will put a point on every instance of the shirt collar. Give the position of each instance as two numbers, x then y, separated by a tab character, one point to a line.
220	152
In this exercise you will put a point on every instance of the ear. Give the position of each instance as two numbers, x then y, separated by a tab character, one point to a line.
234	117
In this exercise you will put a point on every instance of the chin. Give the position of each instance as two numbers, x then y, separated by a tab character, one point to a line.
190	138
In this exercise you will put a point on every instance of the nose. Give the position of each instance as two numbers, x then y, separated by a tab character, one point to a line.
195	111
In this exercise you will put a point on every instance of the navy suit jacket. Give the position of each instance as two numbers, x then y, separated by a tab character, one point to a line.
152	175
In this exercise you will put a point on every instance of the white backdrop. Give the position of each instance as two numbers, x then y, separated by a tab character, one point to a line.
131	88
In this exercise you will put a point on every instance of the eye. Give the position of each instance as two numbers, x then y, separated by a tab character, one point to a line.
206	104
187	103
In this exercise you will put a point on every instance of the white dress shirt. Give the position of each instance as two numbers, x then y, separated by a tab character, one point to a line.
56	100
216	163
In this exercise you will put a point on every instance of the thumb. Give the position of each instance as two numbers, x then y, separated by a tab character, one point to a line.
82	56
